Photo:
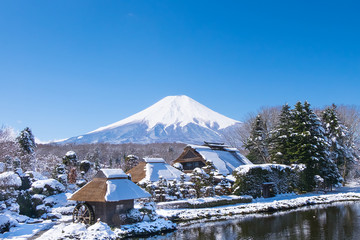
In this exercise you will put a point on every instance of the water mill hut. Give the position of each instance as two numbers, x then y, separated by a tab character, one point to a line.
108	197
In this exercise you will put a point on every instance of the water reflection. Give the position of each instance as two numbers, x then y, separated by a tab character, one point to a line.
337	221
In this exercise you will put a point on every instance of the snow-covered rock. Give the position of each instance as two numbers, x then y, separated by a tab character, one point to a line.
9	179
35	176
47	187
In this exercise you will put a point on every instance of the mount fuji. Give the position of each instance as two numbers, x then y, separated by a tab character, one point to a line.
172	119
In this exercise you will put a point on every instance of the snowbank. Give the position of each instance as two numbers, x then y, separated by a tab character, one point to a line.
101	230
205	202
288	201
9	179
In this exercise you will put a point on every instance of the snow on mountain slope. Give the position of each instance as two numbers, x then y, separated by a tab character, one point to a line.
177	111
172	119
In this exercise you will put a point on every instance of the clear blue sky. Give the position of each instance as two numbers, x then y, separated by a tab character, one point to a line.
69	67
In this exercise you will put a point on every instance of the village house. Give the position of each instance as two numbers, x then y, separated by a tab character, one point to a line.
108	197
224	158
152	169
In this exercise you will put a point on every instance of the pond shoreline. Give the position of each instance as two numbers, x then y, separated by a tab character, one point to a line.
280	203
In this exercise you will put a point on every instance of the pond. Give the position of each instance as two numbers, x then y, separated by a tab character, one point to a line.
333	221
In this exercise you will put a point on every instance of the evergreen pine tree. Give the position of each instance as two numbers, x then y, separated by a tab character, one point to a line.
257	142
341	151
281	138
184	189
310	147
26	141
27	144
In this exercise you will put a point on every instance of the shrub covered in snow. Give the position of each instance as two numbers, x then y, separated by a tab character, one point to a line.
85	166
47	187
6	223
134	215
35	176
9	180
250	179
2	167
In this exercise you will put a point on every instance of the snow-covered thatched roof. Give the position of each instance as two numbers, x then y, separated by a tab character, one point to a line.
225	159
111	173
109	185
154	168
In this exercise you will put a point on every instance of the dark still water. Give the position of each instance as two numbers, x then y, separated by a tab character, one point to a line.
336	221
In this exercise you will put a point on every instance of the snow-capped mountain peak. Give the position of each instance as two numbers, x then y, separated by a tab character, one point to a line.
178	111
172	119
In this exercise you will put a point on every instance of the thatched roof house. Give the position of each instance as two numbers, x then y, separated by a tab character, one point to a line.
109	185
108	195
224	158
152	168
137	173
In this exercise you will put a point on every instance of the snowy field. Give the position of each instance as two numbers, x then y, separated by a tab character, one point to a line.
64	229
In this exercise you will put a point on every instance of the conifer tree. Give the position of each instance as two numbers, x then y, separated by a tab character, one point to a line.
184	189
27	145
341	150
26	141
310	147
281	138
257	142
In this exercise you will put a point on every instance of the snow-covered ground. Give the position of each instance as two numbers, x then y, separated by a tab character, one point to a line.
278	203
63	228
101	230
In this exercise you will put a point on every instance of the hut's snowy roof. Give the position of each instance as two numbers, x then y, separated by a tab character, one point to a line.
154	160
225	160
109	185
123	189
156	168
111	173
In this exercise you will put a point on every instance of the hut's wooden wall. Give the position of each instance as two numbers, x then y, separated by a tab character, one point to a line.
109	212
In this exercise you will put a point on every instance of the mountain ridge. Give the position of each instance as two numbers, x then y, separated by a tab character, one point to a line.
172	119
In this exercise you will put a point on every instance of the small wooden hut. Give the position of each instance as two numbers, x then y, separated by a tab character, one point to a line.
108	197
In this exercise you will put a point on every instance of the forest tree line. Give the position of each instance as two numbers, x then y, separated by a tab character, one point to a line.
273	135
325	141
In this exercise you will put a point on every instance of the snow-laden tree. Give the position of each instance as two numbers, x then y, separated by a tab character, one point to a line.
27	141
341	148
281	138
199	178
310	147
257	142
131	161
70	159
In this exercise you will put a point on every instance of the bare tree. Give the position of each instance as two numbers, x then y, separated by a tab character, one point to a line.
350	117
238	137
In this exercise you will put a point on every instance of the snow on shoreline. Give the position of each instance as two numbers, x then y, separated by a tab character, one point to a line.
101	230
279	203
66	230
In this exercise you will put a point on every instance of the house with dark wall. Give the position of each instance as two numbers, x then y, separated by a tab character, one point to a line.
224	158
